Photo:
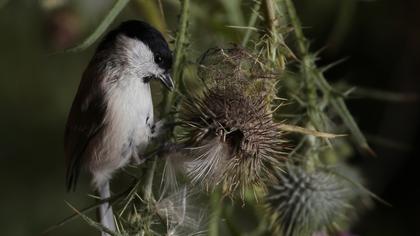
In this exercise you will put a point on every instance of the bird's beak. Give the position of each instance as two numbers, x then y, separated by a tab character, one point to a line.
166	80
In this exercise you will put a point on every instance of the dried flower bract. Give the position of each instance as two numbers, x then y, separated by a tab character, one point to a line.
232	139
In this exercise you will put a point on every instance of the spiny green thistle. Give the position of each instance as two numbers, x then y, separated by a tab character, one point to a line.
229	129
305	202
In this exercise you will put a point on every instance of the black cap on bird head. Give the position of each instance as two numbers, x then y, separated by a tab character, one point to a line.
152	38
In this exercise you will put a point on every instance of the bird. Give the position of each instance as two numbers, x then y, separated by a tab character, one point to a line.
111	118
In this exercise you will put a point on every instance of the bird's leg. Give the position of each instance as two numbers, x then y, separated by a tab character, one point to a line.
105	209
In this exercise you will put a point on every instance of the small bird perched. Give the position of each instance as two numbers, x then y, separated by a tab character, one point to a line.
111	118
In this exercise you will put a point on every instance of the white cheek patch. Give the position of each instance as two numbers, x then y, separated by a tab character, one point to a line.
139	57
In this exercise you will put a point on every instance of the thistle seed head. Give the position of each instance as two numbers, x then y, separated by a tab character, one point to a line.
229	130
307	202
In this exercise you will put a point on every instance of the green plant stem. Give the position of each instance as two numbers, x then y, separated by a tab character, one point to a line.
307	66
251	23
148	191
233	11
216	212
180	43
270	17
319	80
313	110
276	39
234	231
109	18
302	44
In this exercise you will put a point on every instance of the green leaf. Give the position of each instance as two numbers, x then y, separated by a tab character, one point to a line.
109	18
251	23
341	108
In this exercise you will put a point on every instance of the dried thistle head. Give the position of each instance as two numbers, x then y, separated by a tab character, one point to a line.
229	129
304	202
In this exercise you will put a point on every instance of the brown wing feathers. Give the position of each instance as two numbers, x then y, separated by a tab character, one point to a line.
85	121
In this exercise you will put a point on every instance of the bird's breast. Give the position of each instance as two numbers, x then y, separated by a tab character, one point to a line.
129	116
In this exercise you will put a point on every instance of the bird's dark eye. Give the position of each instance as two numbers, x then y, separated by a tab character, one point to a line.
158	59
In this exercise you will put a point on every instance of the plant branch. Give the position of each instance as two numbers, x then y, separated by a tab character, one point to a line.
276	40
109	18
216	212
270	17
314	77
180	42
251	23
302	44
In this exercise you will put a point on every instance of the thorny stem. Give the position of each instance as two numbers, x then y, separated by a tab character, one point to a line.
271	19
297	29
313	111
319	80
307	66
276	39
180	43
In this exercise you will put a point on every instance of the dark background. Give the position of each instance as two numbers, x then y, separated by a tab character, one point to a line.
381	40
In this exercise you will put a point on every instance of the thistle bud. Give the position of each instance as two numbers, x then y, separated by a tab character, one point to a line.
304	202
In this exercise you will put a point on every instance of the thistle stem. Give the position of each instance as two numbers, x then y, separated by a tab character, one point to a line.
307	67
216	212
270	17
319	80
302	44
180	43
276	39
